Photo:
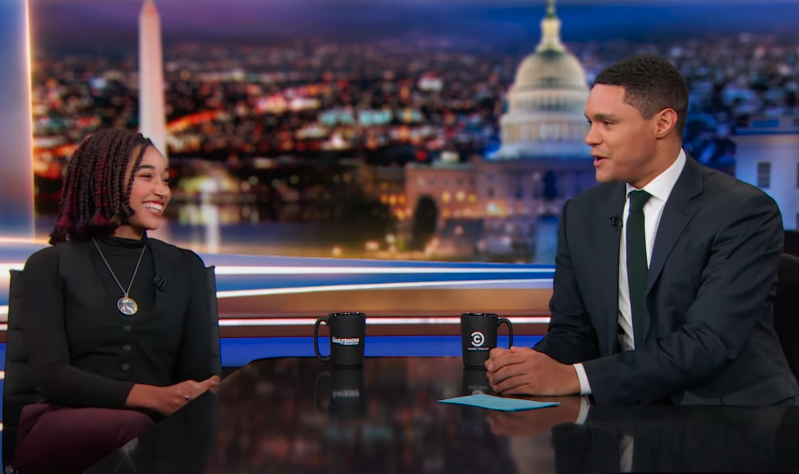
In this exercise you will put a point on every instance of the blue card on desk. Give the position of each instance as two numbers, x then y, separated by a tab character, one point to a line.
498	403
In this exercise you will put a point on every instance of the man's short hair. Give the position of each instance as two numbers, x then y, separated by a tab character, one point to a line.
651	84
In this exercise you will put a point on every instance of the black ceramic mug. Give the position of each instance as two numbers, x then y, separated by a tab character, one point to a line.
479	336
347	334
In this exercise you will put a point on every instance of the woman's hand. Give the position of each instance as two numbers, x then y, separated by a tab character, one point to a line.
168	400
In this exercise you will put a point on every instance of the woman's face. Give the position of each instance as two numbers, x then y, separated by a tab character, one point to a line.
149	194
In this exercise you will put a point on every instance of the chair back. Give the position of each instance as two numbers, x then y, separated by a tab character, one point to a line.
215	350
19	386
786	310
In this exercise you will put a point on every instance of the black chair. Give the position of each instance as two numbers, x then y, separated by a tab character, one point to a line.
786	310
214	308
19	388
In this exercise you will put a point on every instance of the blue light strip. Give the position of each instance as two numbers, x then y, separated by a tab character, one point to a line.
238	352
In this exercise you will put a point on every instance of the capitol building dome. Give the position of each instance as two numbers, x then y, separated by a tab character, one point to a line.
550	69
546	101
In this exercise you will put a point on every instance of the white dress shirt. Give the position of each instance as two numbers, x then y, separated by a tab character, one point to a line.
660	189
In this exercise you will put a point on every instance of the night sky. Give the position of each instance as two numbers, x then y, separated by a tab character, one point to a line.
502	24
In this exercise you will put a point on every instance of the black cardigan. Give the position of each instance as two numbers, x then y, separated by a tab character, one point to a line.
83	351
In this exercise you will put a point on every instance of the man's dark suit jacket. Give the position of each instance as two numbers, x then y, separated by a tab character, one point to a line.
710	337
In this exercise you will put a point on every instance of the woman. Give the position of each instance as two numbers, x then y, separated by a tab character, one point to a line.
116	325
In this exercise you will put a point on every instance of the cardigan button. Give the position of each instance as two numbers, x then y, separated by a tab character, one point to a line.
125	366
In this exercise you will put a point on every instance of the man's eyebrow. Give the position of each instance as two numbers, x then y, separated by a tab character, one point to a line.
603	117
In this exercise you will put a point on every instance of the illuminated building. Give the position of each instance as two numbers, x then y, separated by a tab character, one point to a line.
542	162
767	156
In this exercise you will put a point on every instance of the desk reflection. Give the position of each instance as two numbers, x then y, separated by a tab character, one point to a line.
301	415
658	438
182	443
344	393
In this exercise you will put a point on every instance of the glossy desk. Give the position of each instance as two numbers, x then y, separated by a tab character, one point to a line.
295	415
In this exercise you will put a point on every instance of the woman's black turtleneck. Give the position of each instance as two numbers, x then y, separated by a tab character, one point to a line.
83	351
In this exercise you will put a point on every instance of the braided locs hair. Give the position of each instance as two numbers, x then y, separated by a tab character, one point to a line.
94	198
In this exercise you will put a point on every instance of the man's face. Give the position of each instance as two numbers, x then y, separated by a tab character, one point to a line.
622	141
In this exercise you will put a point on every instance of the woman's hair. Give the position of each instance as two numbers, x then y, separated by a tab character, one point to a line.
94	198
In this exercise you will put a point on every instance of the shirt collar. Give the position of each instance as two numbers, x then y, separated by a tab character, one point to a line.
660	187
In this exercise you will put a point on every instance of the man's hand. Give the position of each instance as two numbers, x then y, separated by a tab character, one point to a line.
523	371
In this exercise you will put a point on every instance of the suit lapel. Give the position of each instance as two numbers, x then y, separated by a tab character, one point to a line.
678	212
608	242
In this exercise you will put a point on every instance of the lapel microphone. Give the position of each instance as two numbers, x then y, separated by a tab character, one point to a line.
615	222
159	282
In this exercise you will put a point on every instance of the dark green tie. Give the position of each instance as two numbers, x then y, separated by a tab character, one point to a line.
637	267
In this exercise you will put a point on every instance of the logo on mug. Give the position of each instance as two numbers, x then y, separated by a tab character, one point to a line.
347	341
352	393
477	339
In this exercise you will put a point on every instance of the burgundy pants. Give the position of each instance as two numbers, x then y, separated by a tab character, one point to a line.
66	440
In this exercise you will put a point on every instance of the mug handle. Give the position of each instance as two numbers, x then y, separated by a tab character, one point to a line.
510	329
319	377
322	319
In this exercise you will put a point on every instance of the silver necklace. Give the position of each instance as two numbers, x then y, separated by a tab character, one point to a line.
126	305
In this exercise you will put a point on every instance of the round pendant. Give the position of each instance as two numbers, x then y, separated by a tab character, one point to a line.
127	306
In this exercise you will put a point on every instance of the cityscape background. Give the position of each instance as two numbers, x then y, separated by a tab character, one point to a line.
446	130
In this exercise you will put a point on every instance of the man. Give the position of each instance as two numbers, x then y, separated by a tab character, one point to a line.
665	272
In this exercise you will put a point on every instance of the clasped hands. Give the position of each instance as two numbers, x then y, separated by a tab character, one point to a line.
524	371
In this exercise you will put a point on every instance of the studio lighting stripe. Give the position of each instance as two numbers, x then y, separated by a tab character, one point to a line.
7	267
247	322
377	321
332	270
367	286
310	322
272	270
